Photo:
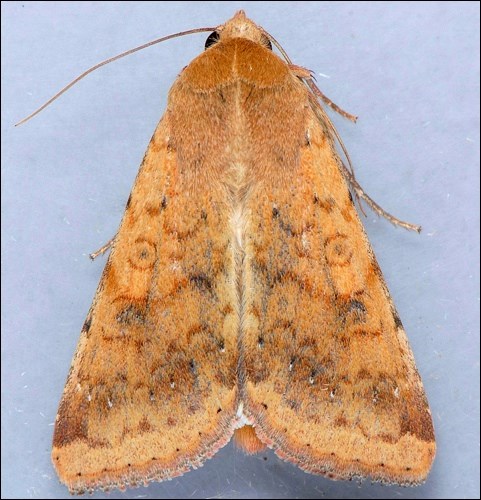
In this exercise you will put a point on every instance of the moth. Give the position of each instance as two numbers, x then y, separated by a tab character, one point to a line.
241	297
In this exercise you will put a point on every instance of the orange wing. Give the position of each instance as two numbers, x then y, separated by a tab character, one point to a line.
152	388
331	383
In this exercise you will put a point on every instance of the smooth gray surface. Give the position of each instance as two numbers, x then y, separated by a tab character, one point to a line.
410	71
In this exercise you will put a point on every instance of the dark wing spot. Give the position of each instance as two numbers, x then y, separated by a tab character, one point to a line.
356	306
201	282
87	324
397	320
131	315
354	311
328	204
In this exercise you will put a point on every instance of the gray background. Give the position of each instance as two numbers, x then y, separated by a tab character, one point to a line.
409	70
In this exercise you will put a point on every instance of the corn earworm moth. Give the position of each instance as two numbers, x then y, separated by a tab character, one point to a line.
242	297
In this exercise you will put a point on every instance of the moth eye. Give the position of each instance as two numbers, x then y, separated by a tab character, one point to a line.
266	42
212	39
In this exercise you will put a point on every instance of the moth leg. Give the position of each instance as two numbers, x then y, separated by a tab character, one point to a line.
102	249
307	75
359	192
316	91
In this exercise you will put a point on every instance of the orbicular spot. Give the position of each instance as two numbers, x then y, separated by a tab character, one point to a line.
338	250
131	315
143	254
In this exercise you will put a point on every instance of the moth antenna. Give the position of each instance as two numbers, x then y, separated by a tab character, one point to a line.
107	61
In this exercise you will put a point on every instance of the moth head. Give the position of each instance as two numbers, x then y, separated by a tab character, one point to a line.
239	27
